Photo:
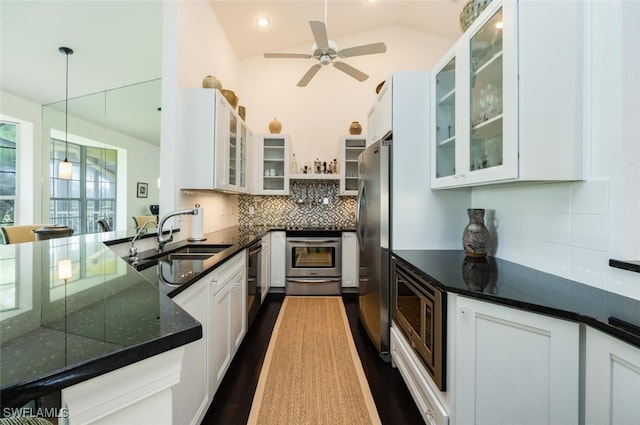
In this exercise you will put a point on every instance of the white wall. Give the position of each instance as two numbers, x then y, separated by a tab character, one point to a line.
573	229
194	46
317	115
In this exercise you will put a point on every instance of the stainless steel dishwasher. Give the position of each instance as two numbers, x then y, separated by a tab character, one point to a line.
254	290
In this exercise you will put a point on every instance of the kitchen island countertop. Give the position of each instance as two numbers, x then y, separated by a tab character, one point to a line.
55	333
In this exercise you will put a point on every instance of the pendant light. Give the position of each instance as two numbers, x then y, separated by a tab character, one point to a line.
65	168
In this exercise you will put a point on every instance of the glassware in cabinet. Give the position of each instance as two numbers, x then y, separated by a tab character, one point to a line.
486	82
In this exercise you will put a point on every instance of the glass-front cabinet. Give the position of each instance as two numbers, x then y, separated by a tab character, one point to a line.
218	143
505	104
232	149
273	170
352	147
445	118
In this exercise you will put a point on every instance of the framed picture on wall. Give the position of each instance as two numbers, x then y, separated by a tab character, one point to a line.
143	189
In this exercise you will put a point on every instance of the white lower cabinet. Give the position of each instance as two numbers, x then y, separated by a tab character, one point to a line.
513	366
349	260
415	376
227	316
278	263
612	382
191	395
140	393
504	366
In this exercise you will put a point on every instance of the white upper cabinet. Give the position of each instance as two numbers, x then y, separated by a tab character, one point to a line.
379	118
272	164
215	143
507	98
352	146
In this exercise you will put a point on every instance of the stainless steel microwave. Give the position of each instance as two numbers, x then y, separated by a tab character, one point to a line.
419	309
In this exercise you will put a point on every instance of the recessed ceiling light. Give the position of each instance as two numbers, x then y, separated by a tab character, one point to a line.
263	22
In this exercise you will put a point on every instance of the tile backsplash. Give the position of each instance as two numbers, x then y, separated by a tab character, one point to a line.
311	203
560	228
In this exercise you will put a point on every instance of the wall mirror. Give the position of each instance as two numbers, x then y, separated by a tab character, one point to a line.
114	145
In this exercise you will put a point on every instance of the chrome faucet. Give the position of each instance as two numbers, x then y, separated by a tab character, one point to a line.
133	251
163	241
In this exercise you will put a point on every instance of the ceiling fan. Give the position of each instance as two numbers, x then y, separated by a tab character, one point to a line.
326	52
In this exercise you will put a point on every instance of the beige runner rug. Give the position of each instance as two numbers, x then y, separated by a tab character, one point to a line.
312	374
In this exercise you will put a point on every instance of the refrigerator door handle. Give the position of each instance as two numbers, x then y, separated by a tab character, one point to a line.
360	215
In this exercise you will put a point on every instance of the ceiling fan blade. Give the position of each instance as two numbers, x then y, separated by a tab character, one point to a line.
348	69
366	49
319	30
309	75
288	55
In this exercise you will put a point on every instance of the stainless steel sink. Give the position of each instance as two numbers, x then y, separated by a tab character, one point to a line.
200	249
188	256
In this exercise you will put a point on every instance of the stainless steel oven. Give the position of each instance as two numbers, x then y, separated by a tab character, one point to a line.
419	309
314	263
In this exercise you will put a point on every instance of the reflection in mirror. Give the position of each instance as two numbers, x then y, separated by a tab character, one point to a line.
114	146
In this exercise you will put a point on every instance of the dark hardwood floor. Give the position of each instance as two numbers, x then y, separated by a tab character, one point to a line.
232	402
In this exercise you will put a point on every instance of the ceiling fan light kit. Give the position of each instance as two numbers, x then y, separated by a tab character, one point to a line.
326	52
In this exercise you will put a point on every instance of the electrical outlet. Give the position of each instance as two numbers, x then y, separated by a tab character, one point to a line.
252	210
325	201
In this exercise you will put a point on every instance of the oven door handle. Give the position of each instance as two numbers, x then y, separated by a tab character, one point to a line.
255	250
314	241
314	280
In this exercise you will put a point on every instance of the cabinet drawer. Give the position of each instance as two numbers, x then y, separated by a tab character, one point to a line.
223	274
414	375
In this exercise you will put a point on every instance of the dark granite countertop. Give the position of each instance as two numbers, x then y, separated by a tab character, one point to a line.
56	333
511	284
106	316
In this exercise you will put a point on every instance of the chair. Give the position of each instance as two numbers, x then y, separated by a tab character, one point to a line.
103	224
19	234
140	220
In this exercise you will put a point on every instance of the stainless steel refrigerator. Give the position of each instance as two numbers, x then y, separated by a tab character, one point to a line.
373	233
396	209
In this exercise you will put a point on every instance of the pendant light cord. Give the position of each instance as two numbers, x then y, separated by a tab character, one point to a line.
67	51
66	112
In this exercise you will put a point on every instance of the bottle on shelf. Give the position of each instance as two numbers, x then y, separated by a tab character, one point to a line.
293	167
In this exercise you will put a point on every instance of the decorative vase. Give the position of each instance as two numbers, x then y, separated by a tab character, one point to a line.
231	97
211	82
275	126
475	237
470	12
355	128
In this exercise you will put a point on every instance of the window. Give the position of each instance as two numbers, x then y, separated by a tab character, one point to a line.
8	171
90	195
8	138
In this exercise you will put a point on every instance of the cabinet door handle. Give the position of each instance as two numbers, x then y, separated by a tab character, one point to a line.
464	310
